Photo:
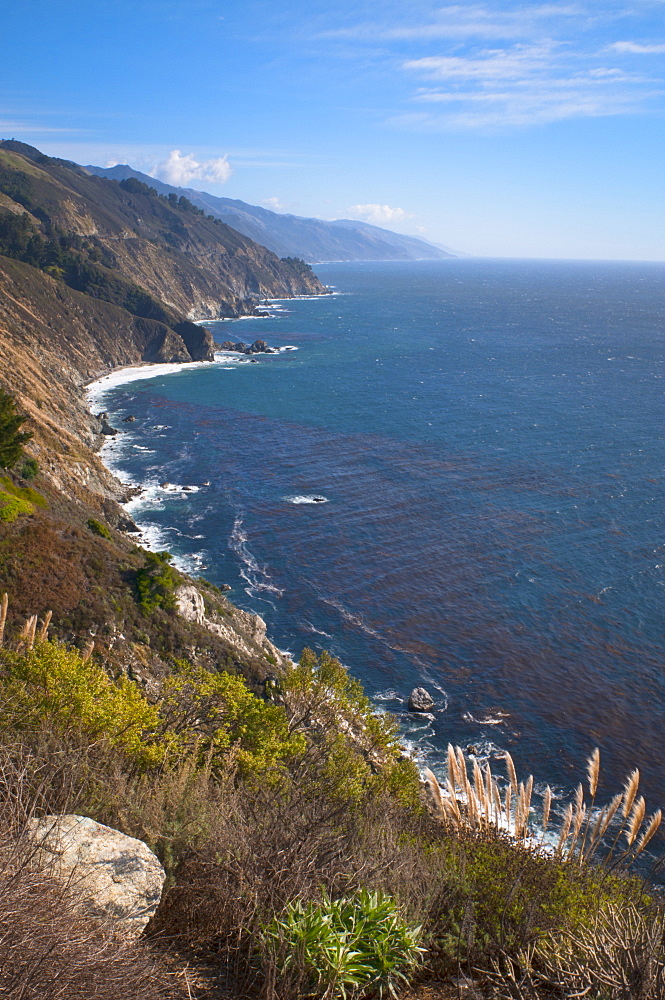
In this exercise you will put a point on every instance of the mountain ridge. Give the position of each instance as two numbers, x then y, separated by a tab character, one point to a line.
315	240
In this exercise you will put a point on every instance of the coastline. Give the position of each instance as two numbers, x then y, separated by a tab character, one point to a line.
95	390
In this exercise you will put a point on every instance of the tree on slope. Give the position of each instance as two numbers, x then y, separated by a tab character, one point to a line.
11	438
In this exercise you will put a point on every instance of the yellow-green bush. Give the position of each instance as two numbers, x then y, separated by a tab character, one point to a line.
55	684
211	715
217	714
17	500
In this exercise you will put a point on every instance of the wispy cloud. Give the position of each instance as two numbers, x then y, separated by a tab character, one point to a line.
635	48
183	168
510	64
460	22
489	65
12	126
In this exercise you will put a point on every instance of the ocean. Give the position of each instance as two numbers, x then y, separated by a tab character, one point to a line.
486	442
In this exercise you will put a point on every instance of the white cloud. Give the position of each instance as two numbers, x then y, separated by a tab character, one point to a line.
182	168
634	48
378	215
274	204
523	84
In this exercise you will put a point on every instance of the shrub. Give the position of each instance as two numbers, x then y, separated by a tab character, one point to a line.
353	945
30	468
98	528
218	716
156	583
55	684
48	950
17	500
11	438
359	747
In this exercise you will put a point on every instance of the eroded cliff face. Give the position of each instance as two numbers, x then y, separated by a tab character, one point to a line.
96	276
54	340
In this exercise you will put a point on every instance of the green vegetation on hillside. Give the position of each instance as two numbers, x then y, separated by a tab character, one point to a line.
17	500
295	859
12	439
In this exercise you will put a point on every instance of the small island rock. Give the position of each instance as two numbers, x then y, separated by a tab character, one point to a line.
420	700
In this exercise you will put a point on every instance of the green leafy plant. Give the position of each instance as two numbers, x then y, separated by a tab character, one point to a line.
360	747
98	527
53	683
353	946
217	715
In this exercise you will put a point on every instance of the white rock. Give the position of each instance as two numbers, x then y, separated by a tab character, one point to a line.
190	604
115	876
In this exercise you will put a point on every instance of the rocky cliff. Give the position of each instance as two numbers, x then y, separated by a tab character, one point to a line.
193	264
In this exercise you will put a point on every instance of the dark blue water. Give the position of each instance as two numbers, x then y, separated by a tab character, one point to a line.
489	438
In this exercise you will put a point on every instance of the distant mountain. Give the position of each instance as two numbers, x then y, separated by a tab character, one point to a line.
292	235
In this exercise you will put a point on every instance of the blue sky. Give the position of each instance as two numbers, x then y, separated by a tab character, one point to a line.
500	129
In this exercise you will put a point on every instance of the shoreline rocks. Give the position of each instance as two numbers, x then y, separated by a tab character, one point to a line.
258	347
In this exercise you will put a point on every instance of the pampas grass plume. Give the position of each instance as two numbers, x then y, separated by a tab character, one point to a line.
630	791
593	770
654	823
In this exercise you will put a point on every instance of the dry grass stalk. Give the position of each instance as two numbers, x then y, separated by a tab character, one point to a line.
512	774
547	805
579	816
3	616
453	775
27	636
434	789
478	783
43	632
88	651
565	827
508	802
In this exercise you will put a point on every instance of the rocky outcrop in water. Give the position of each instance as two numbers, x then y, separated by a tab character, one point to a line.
420	700
258	347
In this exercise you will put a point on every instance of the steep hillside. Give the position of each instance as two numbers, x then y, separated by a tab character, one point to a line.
194	266
53	340
291	235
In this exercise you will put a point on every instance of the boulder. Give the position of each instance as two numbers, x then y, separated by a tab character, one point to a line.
420	700
116	877
129	420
